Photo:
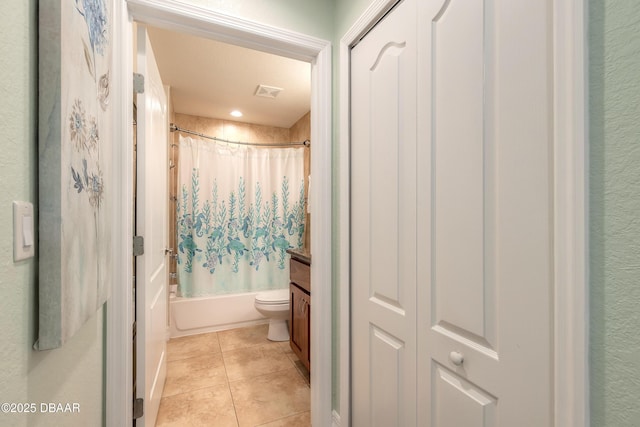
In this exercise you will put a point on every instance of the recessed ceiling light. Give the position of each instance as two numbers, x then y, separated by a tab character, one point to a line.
236	113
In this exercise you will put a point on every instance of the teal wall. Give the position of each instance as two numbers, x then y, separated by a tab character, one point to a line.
311	17
72	374
347	12
614	102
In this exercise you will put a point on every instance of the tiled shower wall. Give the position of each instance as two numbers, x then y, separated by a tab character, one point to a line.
301	131
233	131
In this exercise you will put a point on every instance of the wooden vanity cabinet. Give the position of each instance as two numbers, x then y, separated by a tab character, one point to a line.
300	311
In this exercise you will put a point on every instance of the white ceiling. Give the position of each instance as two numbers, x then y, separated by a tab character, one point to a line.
210	79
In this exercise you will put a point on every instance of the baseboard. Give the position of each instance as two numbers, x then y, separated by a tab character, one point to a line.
335	417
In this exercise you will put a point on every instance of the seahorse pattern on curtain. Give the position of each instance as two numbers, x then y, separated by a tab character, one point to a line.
239	209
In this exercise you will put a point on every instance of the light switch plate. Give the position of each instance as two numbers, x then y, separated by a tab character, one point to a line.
23	231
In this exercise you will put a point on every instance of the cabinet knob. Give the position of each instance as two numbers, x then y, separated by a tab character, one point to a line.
456	358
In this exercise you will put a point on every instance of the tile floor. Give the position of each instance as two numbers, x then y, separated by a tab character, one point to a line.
234	378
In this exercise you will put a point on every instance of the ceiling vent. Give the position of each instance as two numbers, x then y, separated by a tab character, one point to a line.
268	91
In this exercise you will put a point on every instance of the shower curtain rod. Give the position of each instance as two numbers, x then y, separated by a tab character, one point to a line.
175	128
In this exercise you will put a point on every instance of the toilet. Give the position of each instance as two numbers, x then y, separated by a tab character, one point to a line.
275	306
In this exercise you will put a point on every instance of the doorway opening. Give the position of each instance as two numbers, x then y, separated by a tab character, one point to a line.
234	209
221	27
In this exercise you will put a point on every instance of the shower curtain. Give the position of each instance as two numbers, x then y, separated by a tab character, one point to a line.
239	209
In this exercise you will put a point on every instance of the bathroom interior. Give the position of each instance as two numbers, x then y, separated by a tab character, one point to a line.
239	228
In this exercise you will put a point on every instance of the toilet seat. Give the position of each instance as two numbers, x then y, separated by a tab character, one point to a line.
275	297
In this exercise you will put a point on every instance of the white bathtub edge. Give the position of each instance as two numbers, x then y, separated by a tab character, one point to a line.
177	333
191	316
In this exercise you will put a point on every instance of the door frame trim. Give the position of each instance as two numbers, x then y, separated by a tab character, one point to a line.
211	24
570	201
571	210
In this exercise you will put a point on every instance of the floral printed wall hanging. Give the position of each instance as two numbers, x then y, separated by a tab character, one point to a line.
75	165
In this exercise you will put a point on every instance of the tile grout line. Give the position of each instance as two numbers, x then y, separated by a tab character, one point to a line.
233	402
284	418
260	376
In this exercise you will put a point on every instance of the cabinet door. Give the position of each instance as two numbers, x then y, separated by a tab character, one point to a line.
294	320
306	326
299	324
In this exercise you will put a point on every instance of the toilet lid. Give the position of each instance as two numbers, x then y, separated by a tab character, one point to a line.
278	296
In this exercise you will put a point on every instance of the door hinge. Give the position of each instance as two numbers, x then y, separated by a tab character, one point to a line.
138	245
138	408
138	83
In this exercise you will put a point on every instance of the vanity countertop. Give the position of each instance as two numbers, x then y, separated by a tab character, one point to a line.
301	255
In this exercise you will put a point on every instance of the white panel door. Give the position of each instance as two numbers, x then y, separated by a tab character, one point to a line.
151	223
383	221
452	222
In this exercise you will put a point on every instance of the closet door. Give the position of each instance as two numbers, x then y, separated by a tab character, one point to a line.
451	216
383	222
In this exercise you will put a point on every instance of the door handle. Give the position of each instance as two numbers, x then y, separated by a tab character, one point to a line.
168	251
456	358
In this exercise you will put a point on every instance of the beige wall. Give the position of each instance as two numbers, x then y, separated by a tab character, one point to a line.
301	131
233	131
173	182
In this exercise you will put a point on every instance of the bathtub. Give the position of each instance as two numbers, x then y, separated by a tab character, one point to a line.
191	316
